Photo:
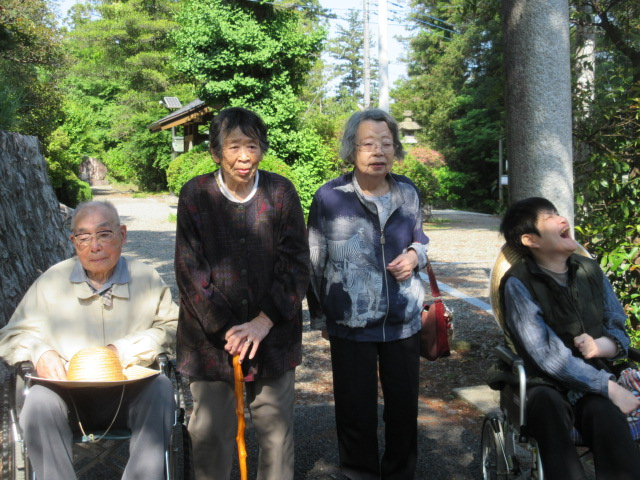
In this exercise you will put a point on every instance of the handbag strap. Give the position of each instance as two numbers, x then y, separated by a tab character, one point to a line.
435	291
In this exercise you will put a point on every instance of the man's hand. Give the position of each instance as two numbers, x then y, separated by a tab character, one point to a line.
51	365
113	349
241	338
403	265
589	347
626	401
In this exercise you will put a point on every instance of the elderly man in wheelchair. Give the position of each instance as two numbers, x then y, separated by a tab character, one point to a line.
98	298
561	316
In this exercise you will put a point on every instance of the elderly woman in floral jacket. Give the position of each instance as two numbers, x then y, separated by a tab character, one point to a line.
367	245
242	268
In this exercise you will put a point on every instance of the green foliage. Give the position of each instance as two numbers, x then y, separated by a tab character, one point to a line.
421	175
608	197
30	58
435	181
254	55
455	91
143	158
11	98
183	168
258	56
347	48
607	163
121	68
73	190
315	165
69	189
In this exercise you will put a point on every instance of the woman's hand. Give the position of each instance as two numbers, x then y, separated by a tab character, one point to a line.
589	347
241	338
403	265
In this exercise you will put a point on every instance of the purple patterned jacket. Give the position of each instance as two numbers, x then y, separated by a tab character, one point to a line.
232	261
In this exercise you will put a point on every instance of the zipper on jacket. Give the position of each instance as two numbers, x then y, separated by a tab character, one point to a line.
386	284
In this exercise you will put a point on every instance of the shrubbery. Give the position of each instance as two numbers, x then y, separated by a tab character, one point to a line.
69	189
183	168
198	161
607	197
435	181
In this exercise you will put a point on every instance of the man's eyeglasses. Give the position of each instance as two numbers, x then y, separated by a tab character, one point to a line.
386	147
103	237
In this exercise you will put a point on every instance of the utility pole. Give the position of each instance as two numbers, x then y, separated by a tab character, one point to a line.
383	55
367	65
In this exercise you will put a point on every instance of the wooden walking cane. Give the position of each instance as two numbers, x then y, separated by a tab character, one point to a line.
239	391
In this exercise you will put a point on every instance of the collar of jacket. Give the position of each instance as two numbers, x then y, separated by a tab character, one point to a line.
396	195
535	269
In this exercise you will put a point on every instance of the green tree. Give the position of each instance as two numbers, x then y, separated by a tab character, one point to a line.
455	90
257	55
346	49
607	171
30	59
122	67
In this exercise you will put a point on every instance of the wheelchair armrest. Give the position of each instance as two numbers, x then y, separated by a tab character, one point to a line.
516	364
25	368
166	363
510	358
634	354
162	358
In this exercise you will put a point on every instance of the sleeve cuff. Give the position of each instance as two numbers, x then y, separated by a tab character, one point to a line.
421	251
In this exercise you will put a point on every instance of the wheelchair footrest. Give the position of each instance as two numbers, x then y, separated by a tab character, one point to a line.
94	436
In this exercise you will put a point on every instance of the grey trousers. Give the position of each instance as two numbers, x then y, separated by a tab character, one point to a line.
213	427
147	409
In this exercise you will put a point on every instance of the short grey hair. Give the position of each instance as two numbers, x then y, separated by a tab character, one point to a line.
348	149
105	204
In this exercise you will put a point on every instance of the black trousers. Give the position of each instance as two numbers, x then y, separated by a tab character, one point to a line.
355	387
602	425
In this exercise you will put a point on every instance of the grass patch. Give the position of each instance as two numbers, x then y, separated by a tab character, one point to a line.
437	224
139	195
173	217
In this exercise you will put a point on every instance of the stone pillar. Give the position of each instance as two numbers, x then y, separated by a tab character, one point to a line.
538	99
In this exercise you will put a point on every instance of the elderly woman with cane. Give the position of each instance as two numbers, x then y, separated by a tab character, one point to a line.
367	245
242	268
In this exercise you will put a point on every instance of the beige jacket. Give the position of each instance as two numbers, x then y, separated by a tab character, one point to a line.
58	315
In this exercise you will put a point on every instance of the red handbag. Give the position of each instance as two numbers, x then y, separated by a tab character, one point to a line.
437	324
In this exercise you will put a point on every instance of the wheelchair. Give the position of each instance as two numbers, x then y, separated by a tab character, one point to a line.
110	450
507	451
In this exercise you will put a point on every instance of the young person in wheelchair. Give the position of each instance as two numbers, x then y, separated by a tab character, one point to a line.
563	318
98	298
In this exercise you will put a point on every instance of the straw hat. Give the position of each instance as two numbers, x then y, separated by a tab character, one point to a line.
99	367
100	364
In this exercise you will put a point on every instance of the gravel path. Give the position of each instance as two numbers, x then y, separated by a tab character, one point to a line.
463	247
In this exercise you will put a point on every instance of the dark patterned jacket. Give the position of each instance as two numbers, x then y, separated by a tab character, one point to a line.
232	261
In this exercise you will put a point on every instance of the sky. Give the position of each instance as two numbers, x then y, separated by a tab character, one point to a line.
396	26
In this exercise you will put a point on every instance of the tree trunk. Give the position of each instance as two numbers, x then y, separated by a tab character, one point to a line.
538	100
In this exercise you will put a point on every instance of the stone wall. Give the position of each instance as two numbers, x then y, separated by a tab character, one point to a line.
32	236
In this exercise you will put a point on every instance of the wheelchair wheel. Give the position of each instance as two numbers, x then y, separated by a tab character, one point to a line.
181	461
490	453
15	463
